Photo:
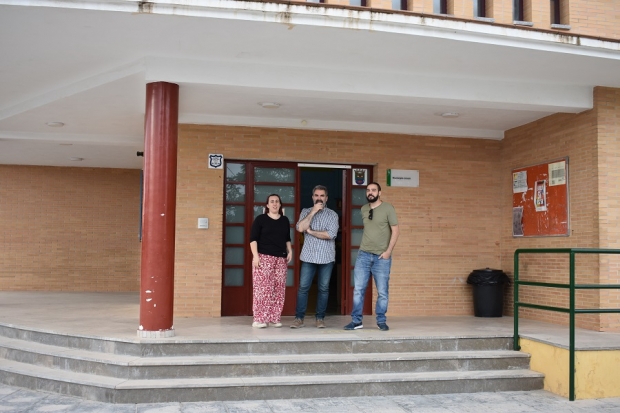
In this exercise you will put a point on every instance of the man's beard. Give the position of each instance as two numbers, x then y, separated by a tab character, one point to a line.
371	198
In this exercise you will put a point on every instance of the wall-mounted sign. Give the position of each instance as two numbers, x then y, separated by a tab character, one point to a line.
216	161
557	173
403	177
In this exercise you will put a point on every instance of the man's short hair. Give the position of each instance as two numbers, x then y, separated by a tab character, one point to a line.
320	188
374	183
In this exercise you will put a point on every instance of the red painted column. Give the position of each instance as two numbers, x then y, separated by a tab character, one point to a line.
159	206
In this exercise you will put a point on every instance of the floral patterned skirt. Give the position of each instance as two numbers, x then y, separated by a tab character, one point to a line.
269	283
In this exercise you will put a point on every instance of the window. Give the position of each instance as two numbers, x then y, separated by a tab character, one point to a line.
556	12
518	11
480	8
358	3
440	6
399	5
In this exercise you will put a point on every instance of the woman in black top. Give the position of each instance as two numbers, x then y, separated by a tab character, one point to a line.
270	242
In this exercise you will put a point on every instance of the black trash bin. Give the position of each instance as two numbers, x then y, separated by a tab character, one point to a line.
488	286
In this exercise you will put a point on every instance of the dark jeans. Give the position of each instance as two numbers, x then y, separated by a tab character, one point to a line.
305	281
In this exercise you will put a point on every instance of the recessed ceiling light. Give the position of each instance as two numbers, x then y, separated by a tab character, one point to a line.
269	105
450	115
76	159
55	124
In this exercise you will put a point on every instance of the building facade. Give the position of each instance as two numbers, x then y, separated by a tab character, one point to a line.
78	228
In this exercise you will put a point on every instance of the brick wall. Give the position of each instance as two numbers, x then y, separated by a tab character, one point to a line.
449	225
591	141
550	138
69	229
608	107
599	18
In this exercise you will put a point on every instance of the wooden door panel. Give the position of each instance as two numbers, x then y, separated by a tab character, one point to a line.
356	197
246	187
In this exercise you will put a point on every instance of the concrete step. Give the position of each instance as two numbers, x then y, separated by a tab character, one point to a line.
130	367
319	345
147	371
115	390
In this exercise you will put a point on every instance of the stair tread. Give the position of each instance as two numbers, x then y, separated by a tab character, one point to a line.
333	379
59	375
120	384
127	360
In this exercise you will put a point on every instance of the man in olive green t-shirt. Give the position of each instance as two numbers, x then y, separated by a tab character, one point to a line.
374	256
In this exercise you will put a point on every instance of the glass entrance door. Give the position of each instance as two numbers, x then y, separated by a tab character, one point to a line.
247	187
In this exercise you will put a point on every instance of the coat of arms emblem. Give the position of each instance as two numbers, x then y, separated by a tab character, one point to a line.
216	161
359	176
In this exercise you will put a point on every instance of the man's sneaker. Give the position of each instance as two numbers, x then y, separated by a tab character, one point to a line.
383	327
298	323
353	326
320	323
256	324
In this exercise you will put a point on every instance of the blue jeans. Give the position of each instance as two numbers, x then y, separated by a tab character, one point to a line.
306	275
365	265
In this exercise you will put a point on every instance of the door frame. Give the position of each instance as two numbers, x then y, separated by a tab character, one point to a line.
237	300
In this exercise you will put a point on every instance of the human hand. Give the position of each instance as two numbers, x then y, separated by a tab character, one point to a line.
255	262
318	206
289	256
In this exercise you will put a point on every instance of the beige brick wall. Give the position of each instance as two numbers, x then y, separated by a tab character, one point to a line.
608	107
599	18
502	11
380	4
419	6
461	8
69	229
590	140
550	138
449	225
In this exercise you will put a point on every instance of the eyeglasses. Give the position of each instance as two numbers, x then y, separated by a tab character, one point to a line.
370	214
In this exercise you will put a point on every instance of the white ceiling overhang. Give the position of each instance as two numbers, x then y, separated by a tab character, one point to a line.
86	64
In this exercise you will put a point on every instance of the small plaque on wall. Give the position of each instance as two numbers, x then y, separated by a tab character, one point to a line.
403	177
216	161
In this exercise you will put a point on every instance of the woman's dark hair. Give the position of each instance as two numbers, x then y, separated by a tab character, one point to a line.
267	203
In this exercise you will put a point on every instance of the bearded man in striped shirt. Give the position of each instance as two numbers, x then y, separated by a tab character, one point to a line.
319	225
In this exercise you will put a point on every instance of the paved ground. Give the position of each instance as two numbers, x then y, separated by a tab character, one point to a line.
14	399
116	315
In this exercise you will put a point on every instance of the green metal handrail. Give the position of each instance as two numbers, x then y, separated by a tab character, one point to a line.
571	310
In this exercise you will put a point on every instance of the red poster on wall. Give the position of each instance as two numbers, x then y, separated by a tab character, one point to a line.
540	200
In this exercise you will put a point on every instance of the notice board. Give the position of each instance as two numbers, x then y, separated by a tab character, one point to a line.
540	200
